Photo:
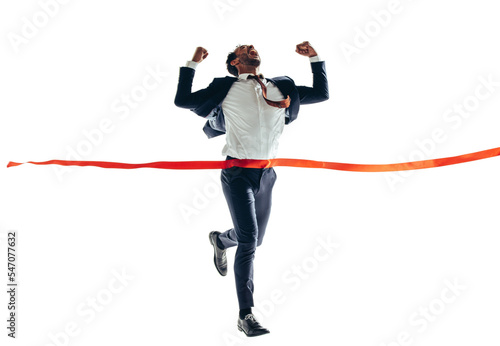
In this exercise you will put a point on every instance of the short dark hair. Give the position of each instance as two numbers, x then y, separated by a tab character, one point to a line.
230	68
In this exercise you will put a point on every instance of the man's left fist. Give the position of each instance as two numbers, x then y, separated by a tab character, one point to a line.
305	49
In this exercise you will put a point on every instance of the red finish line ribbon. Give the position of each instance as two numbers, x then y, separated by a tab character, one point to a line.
279	162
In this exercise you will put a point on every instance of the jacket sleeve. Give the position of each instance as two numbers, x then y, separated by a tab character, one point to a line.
319	90
215	125
184	97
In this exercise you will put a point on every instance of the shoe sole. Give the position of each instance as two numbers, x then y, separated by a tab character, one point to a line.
215	254
250	336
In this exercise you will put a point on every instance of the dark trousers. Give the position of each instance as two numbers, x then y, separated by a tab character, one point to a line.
248	195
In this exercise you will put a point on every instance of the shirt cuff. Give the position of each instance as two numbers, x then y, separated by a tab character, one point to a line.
192	64
315	58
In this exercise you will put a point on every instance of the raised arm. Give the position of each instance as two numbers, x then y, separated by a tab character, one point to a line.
184	97
319	90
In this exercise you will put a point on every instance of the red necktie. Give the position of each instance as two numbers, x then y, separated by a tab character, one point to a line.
279	104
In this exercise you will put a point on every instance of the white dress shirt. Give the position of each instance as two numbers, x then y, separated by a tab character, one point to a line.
253	128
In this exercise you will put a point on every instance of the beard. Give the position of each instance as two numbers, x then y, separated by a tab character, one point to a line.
246	60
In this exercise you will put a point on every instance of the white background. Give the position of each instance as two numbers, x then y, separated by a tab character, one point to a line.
397	247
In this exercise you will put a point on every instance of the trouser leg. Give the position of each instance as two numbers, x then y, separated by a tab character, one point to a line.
248	195
263	202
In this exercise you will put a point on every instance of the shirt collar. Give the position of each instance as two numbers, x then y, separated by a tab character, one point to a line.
245	75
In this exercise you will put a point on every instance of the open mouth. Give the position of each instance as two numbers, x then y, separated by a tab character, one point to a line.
253	53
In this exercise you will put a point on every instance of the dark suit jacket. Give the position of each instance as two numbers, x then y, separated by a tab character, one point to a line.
207	102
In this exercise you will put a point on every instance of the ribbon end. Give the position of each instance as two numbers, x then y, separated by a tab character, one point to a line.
13	164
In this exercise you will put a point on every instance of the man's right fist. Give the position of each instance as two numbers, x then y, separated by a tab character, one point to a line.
200	54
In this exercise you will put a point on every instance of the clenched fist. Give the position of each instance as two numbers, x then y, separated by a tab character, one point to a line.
305	49
200	54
